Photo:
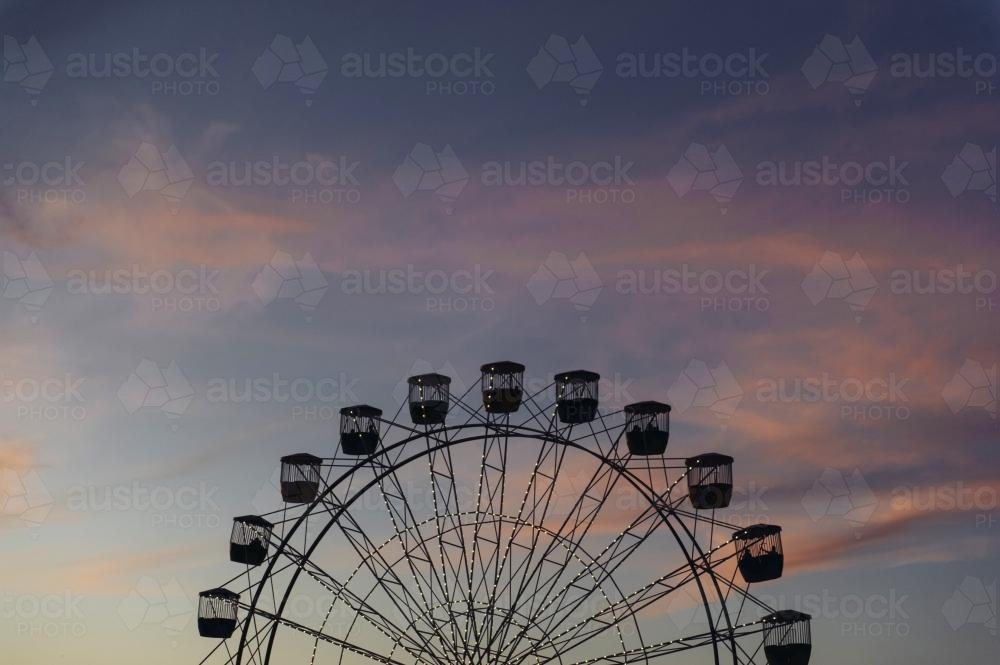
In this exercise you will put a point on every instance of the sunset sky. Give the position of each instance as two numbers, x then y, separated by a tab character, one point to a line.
881	291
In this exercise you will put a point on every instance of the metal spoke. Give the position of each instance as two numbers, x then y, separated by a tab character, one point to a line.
347	646
360	607
661	649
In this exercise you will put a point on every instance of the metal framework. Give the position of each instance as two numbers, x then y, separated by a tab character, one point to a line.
500	536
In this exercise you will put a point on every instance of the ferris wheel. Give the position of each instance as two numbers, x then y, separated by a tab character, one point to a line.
515	528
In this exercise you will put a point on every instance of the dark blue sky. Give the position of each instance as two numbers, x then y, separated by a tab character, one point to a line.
691	197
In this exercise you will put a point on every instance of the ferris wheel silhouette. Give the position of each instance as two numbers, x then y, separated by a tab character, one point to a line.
444	536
